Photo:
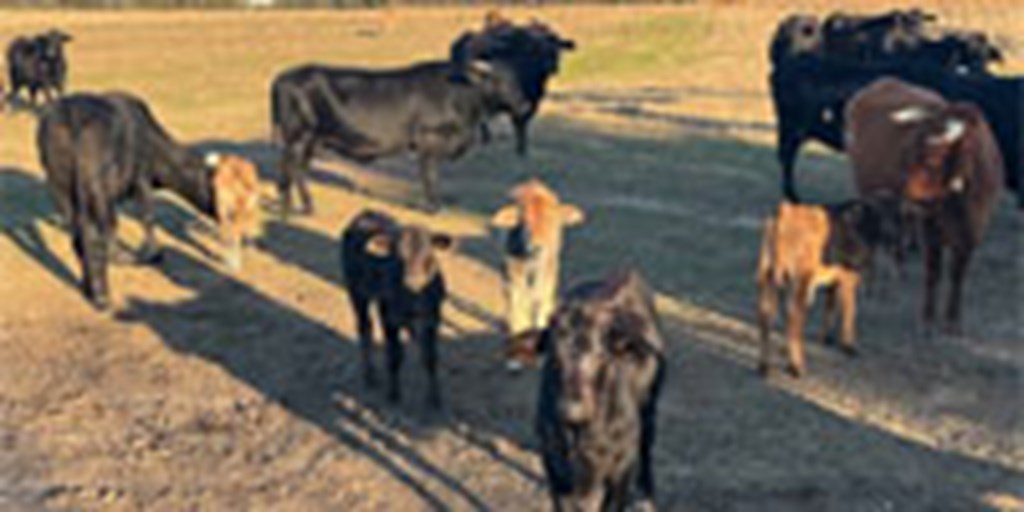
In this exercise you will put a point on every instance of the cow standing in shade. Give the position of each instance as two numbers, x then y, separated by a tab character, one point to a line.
598	395
907	140
98	150
807	247
394	269
535	224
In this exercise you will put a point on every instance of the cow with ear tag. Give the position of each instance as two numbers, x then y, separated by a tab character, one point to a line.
535	222
237	194
598	395
394	269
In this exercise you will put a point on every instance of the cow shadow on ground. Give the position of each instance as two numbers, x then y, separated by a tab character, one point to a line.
721	419
25	208
329	169
724	435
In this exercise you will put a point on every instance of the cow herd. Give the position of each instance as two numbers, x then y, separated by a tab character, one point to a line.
930	134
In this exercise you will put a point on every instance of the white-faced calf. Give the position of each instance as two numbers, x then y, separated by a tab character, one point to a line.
535	223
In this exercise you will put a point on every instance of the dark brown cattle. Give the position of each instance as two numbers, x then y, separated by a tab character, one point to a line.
806	247
598	395
394	269
98	150
943	156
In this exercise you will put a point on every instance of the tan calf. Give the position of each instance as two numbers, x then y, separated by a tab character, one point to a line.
807	247
237	193
535	221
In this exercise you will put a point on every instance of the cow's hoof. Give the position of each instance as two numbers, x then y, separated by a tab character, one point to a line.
828	339
850	350
102	303
647	505
764	369
795	371
151	257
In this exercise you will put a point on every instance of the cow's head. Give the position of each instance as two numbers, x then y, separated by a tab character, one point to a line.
588	342
537	216
414	249
52	43
237	192
498	83
798	34
861	226
971	51
940	160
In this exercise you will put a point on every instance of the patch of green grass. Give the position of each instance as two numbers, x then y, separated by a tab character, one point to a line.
636	48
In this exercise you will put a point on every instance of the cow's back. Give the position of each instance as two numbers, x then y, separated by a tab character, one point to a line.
798	239
875	142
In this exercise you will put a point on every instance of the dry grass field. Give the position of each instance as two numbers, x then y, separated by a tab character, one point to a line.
209	391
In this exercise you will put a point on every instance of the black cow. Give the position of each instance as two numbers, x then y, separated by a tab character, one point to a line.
532	50
98	150
394	269
865	38
431	109
38	64
810	94
598	394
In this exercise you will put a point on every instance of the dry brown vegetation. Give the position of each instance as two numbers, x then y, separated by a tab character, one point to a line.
216	391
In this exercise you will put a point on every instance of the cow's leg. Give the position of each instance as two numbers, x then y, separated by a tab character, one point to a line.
847	289
767	306
617	494
364	323
521	126
90	244
427	337
394	349
648	433
293	168
932	271
796	317
150	251
428	174
485	133
957	275
788	148
827	335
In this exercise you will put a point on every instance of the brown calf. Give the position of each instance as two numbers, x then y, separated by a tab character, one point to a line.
806	247
942	156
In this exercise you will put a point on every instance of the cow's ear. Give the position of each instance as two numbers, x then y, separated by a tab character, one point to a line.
379	245
953	129
572	215
566	44
442	241
911	114
632	334
506	218
212	159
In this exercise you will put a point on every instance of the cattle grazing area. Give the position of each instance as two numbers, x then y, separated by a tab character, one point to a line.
642	154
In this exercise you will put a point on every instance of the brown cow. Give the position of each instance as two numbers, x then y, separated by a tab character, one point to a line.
535	222
942	156
806	247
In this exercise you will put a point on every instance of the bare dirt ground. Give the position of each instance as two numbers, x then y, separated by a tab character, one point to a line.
207	390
